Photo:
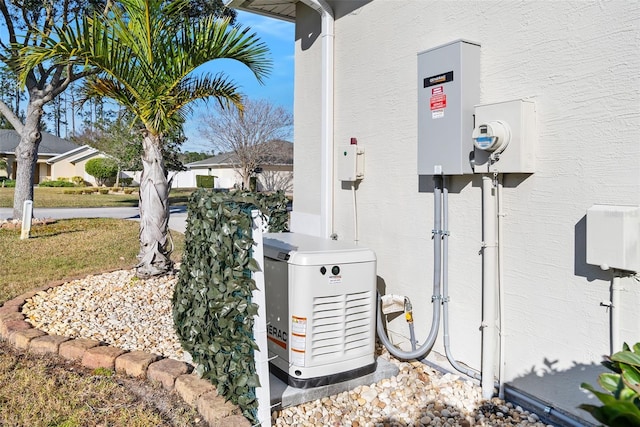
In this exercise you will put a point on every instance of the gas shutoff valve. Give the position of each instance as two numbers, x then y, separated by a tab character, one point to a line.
493	136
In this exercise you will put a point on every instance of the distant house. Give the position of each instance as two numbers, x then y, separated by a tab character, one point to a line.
276	173
50	147
72	163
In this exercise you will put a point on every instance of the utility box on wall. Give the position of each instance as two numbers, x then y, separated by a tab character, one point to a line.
350	163
518	155
613	237
448	89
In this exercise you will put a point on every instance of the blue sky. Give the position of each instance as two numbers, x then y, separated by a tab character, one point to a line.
277	88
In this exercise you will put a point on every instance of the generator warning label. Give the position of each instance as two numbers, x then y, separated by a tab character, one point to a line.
438	101
298	340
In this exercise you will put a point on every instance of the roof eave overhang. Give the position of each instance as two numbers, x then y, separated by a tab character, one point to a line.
262	8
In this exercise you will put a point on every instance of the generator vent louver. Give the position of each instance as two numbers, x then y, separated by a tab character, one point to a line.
341	325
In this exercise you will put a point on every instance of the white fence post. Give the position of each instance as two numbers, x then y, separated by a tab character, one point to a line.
260	323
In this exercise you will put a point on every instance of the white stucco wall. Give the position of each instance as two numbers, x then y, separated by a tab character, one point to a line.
307	110
580	63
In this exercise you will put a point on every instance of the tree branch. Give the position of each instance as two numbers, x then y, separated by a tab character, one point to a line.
9	23
11	117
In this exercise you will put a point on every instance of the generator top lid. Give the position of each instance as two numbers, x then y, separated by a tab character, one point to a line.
302	249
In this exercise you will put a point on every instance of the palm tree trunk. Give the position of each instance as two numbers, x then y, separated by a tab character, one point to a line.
155	242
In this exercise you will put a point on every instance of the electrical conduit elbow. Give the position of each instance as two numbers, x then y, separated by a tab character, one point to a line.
422	351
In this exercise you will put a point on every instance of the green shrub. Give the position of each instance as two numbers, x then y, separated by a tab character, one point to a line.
205	181
8	183
88	191
69	192
128	190
125	182
621	402
103	191
103	169
212	309
78	181
56	183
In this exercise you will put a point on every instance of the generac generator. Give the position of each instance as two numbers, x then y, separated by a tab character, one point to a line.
320	304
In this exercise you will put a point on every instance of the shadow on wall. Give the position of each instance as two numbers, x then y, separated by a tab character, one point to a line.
309	25
580	266
557	385
457	183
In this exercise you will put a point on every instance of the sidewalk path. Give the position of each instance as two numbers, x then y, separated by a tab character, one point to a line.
177	217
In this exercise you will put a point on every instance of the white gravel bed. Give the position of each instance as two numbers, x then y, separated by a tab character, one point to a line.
134	314
117	308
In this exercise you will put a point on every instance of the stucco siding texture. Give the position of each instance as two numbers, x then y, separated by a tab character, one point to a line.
580	63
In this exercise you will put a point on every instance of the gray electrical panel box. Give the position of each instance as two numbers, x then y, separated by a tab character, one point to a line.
448	90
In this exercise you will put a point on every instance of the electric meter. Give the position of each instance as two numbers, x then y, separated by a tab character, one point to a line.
492	136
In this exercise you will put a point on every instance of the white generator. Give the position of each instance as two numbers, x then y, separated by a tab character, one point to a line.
320	304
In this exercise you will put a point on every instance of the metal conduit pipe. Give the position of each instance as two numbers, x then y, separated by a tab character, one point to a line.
616	290
518	397
501	301
445	288
421	351
489	279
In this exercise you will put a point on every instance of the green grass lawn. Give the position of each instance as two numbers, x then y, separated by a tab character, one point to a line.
45	391
52	197
68	249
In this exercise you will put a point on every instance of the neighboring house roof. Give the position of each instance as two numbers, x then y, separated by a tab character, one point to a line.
280	9
50	145
76	155
224	159
284	157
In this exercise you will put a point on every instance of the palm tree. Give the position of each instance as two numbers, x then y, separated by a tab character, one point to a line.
146	52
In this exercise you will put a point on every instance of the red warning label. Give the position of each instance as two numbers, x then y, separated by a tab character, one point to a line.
438	102
437	90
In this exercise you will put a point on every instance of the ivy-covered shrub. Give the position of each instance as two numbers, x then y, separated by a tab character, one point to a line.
8	183
205	181
621	401
212	309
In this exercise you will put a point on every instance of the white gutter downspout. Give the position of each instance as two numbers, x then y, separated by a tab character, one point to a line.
326	131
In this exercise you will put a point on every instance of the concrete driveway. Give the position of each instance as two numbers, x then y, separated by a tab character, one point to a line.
177	217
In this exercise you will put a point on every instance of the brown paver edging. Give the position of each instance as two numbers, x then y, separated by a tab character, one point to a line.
175	376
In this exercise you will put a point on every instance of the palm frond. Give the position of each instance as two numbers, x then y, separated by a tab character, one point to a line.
146	52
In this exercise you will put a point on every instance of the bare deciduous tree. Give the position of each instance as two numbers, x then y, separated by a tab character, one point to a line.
248	134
